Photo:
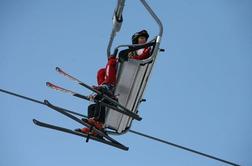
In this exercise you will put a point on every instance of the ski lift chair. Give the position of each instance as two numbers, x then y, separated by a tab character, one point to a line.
132	77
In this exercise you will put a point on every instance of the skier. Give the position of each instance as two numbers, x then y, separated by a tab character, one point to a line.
106	80
106	77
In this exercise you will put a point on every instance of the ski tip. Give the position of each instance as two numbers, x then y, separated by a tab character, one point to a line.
48	84
35	121
58	69
46	102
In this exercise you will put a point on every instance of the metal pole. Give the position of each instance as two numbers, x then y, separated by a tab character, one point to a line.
152	13
117	23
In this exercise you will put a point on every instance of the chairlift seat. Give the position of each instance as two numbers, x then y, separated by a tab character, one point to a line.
132	77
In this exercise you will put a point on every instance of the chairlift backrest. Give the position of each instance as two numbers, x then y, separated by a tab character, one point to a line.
132	77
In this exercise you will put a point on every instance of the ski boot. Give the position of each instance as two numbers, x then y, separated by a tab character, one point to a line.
98	125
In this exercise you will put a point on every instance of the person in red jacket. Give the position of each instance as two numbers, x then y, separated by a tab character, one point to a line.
106	80
140	37
106	77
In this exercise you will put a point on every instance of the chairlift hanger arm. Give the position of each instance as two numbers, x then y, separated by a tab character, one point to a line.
117	23
119	10
152	13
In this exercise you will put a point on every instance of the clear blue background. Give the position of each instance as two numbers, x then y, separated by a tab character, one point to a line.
199	94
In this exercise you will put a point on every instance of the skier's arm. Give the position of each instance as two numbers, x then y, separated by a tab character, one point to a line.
144	55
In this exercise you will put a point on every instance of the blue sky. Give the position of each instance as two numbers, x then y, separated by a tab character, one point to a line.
199	94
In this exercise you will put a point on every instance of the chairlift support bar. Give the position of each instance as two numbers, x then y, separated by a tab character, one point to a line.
152	13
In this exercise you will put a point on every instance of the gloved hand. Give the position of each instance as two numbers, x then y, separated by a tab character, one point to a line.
123	56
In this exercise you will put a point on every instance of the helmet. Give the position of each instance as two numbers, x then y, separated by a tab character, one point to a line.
138	34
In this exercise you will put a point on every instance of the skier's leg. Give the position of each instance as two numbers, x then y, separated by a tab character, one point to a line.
91	114
91	110
100	113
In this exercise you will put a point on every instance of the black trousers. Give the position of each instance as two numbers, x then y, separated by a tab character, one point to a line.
97	111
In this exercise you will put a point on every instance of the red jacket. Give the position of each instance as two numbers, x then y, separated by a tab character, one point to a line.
144	55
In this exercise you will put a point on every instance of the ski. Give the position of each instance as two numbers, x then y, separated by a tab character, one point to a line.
58	88
58	128
63	111
62	72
